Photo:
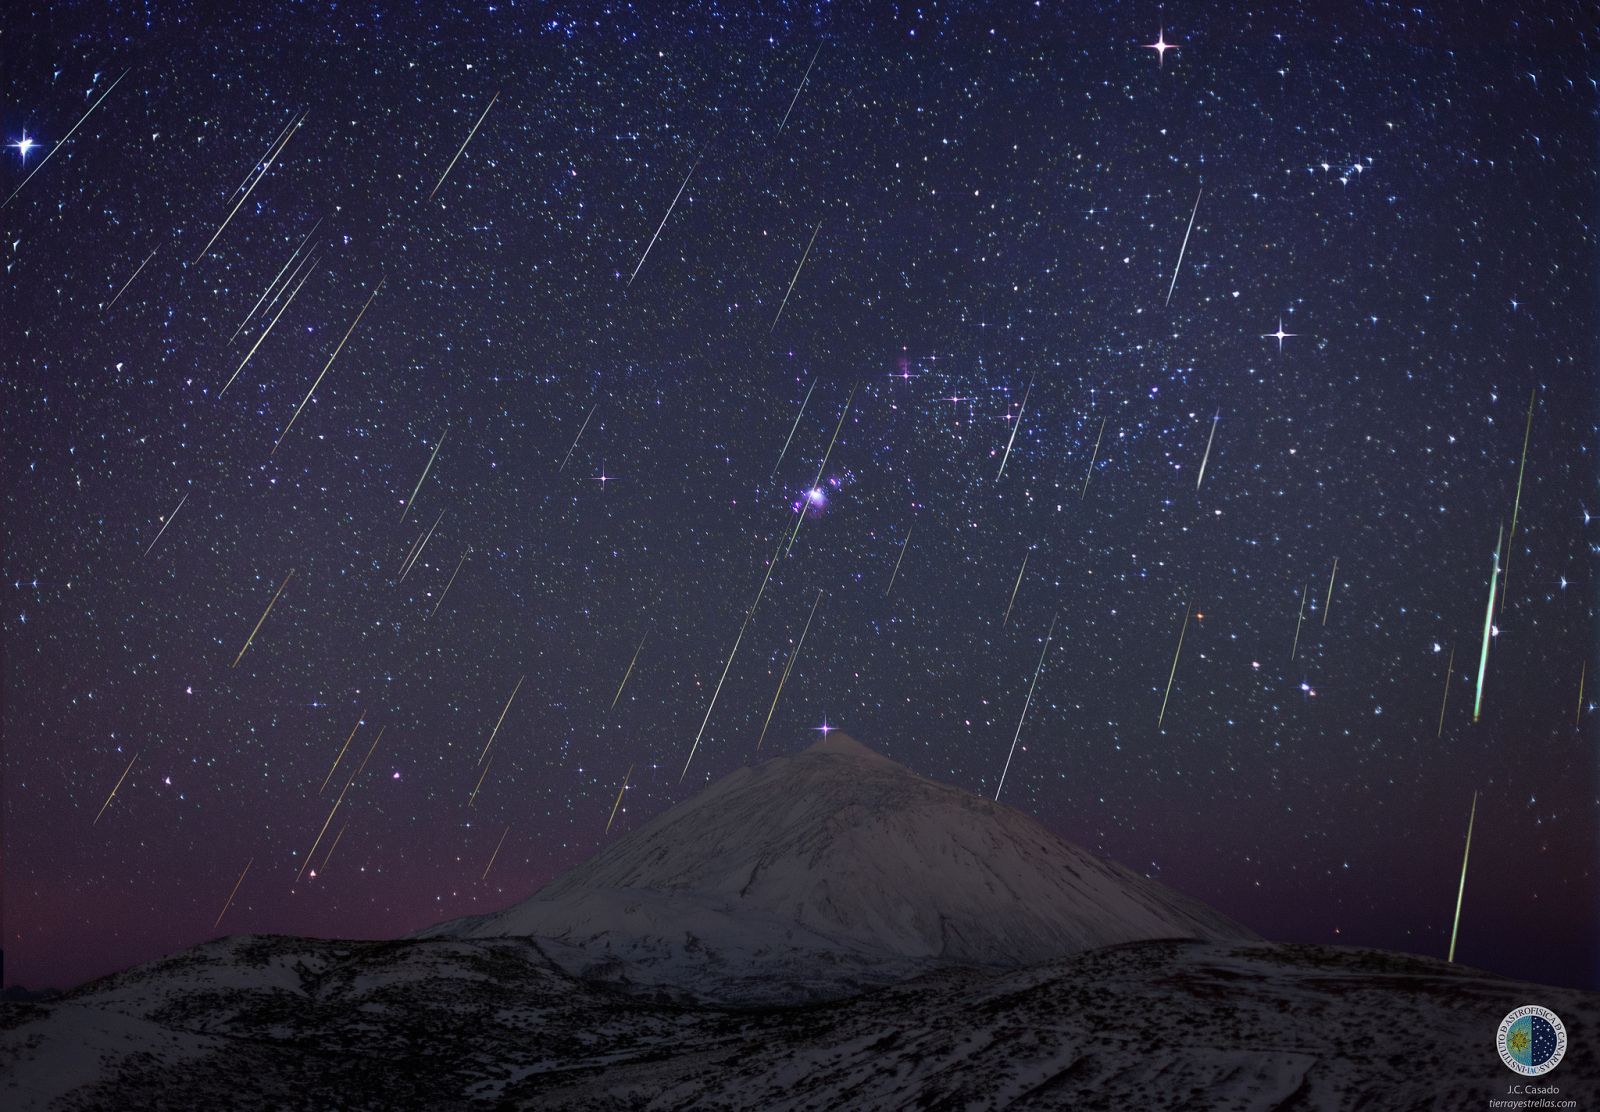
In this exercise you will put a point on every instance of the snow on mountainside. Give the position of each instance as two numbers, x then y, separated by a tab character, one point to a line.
814	874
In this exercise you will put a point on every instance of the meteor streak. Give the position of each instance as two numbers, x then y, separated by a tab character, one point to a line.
473	798
618	803
1087	475
270	325
425	471
1583	674
416	549
1449	670
251	639
114	790
798	89
823	466
577	438
359	720
1206	458
1329	603
62	141
232	894
1300	622
1162	716
1025	705
1014	427
796	277
502	718
664	220
1462	888
793	427
1488	629
787	668
1016	585
326	857
464	143
331	358
712	705
1185	246
897	563
272	156
274	283
168	521
452	582
128	283
629	672
496	853
1517	505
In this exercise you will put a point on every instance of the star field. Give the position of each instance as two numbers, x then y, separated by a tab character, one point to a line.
966	229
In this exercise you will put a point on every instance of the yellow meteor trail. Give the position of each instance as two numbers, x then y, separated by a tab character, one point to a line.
264	613
452	582
329	363
167	522
1329	603
359	720
62	141
787	668
897	563
370	750
1583	674
793	427
796	278
128	283
336	804
232	894
496	853
1015	586
473	798
464	143
1015	425
1207	457
1300	622
805	498
1170	675
1517	505
501	719
629	672
1461	890
1087	475
267	331
1025	705
1449	670
618	803
114	790
326	857
577	438
425	471
272	156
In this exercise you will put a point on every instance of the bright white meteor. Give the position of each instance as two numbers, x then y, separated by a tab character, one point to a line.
1014	426
464	143
796	278
798	89
1025	705
1206	458
664	220
1185	246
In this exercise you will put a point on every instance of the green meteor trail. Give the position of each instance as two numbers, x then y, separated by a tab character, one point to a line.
1488	628
1462	888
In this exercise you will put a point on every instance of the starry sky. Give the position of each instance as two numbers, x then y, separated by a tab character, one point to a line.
1016	274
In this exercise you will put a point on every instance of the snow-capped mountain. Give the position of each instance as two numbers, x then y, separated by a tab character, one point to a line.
816	873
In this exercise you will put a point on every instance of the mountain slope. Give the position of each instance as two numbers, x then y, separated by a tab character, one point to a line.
813	874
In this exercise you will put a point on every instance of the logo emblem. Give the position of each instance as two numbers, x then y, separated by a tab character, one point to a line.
1531	1040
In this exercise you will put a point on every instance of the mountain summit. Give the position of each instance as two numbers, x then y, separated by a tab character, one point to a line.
817	873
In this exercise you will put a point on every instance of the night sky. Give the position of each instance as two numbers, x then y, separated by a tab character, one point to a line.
1393	246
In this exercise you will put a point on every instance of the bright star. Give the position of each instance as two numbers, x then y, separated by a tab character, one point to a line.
24	145
825	729
1160	46
1280	335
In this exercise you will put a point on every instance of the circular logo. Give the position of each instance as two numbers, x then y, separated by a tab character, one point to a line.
1531	1040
